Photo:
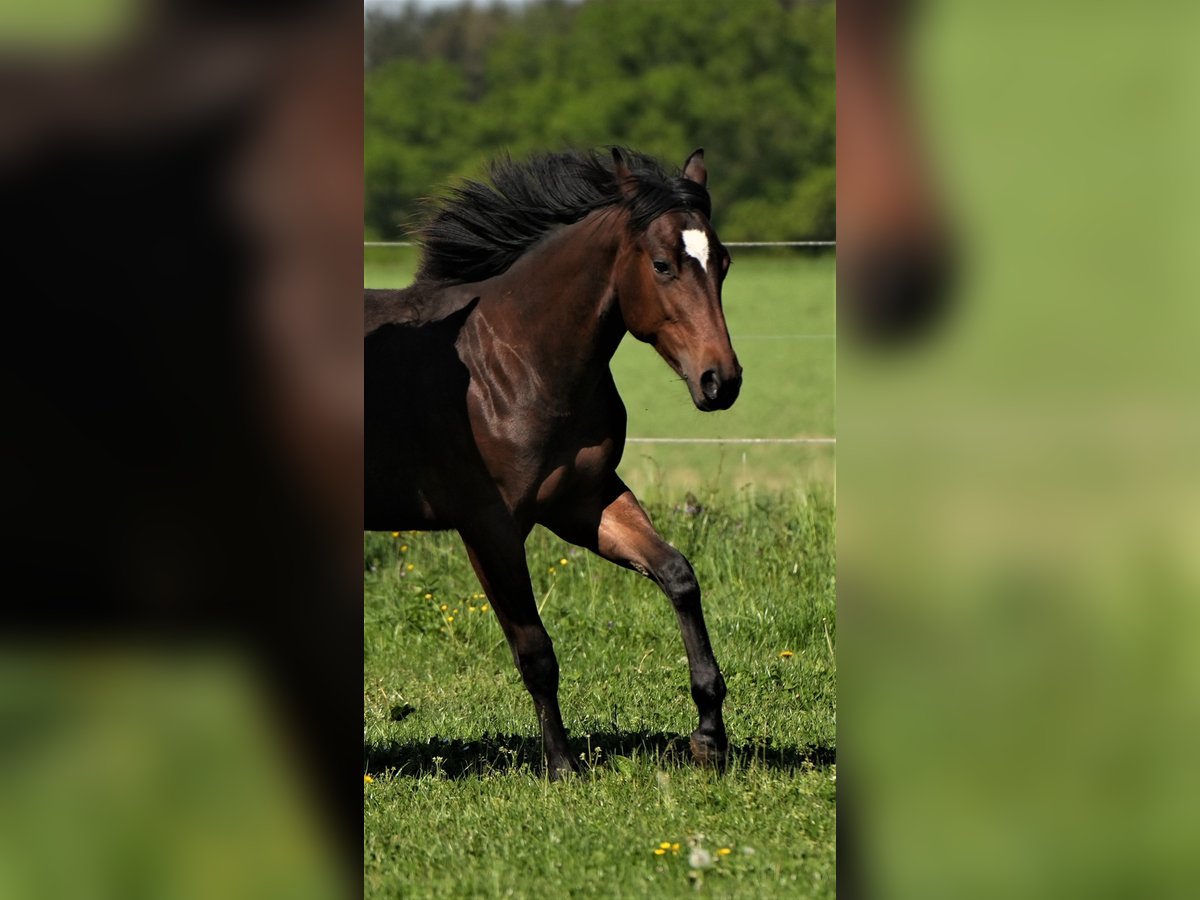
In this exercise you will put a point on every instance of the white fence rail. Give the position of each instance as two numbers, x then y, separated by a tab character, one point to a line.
672	440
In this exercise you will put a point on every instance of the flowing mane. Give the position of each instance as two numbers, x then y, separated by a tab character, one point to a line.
478	230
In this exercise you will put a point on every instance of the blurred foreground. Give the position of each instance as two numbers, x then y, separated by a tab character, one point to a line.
134	772
1019	501
182	456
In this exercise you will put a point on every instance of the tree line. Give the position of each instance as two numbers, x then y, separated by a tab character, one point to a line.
751	81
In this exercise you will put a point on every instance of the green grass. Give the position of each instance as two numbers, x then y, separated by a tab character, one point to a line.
459	805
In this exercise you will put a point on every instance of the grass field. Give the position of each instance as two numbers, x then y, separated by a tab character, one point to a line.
456	804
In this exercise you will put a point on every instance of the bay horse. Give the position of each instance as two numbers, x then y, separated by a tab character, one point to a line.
489	401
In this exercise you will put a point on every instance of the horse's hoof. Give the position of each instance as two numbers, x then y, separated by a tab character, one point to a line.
708	750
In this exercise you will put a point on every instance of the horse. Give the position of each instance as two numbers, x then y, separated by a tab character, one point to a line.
490	405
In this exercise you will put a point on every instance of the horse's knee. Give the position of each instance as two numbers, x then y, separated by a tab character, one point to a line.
674	573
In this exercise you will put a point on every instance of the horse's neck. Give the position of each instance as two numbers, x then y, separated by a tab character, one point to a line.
560	297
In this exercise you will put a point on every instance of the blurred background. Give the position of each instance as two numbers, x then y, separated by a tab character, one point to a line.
1018	494
449	86
180	633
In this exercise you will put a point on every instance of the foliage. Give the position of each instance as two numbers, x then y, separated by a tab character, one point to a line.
752	82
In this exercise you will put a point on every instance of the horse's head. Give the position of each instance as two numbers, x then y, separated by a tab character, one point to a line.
668	278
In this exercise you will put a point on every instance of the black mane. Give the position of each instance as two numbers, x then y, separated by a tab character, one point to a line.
479	230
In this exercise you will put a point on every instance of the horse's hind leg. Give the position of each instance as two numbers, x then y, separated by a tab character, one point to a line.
617	528
499	561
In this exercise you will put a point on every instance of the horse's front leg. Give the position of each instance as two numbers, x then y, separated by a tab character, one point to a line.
615	526
497	553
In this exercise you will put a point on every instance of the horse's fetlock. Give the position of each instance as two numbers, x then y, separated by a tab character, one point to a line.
708	689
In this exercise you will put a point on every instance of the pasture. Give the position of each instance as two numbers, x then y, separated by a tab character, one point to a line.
455	803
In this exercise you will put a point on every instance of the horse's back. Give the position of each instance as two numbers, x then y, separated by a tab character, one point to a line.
418	304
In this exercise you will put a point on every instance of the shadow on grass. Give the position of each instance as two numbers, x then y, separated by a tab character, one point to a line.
502	753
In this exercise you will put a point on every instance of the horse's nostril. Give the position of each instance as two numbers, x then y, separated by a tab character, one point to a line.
710	384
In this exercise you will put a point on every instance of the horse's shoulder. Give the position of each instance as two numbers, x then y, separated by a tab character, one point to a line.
418	304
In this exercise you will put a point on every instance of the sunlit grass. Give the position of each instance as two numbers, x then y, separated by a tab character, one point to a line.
459	805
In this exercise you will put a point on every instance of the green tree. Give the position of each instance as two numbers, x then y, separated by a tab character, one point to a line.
752	82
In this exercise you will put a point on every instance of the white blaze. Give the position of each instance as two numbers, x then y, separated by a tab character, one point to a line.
695	244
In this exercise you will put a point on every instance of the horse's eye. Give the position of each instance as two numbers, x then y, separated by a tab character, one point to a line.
661	266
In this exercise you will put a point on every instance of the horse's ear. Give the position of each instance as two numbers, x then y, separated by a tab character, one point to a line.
694	169
625	181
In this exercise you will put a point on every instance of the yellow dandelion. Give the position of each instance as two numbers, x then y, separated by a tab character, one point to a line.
409	567
470	609
449	618
455	610
367	779
404	548
674	848
665	845
443	607
395	534
786	654
552	569
724	851
483	608
429	596
659	851
563	561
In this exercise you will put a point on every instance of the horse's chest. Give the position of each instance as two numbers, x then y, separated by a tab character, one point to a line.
584	448
576	469
541	437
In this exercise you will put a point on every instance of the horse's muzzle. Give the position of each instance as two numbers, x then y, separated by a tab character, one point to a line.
717	392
